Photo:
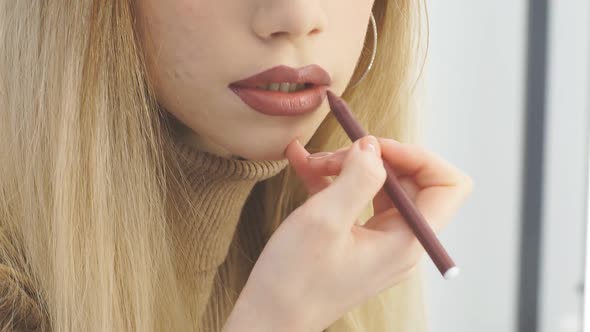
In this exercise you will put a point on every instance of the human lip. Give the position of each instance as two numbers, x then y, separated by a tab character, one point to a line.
279	103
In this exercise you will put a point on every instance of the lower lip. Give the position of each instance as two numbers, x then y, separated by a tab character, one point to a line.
279	103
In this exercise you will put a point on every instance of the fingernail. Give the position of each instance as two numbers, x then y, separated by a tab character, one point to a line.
369	143
320	155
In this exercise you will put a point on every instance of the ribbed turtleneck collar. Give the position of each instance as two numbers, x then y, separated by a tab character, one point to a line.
218	189
197	163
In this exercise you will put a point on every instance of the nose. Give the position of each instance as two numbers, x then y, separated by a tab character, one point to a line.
288	19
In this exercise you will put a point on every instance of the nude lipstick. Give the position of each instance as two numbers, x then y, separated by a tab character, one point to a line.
284	91
394	190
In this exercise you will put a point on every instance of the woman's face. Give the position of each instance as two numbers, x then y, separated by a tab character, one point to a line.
196	48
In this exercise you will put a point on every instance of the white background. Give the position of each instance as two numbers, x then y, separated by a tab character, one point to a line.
473	116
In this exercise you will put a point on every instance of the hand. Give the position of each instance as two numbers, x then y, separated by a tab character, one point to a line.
322	261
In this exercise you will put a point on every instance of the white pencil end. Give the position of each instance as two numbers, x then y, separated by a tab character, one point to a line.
452	273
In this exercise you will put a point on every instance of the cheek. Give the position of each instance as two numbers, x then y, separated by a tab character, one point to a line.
175	35
179	47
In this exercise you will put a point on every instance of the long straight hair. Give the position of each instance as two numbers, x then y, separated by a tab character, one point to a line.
85	177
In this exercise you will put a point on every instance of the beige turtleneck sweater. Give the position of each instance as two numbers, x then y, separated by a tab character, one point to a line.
219	187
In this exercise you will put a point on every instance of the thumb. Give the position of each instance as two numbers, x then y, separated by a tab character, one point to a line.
361	178
297	156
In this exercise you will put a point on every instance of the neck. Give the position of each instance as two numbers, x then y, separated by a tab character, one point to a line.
201	143
217	188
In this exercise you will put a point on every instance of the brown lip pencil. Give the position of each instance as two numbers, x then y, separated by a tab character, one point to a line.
394	190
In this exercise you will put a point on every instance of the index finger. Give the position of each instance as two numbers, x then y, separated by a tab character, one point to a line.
296	154
426	168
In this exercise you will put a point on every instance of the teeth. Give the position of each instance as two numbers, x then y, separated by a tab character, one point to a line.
283	87
296	87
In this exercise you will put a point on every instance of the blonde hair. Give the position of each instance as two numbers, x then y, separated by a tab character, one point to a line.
85	176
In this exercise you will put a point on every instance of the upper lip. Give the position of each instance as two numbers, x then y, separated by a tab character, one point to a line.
311	74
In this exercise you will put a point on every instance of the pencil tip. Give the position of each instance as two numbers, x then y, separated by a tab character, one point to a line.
332	98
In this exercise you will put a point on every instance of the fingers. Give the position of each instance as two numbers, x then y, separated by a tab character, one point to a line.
409	161
426	168
313	181
412	160
442	188
440	204
436	187
437	204
361	177
332	164
382	202
329	165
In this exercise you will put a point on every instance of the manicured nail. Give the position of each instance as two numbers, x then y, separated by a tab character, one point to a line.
320	155
369	143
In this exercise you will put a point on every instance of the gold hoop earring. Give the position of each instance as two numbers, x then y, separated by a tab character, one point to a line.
374	25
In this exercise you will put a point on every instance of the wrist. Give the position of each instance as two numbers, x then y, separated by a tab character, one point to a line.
250	314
